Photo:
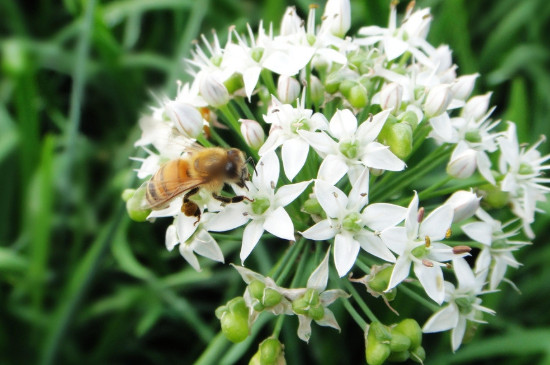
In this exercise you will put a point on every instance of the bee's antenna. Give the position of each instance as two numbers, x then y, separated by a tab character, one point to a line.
251	161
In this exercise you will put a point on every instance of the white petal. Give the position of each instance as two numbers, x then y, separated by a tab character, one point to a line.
400	271
458	333
380	216
411	221
437	223
251	236
250	79
343	124
267	171
320	141
464	274
321	231
479	231
374	245
304	328
431	279
248	275
187	253
332	200
279	224
171	238
231	217
499	270
394	47
329	296
345	252
332	169
328	320
287	193
442	320
442	127
204	245
395	238
294	154
358	196
319	277
484	167
185	226
370	129
378	156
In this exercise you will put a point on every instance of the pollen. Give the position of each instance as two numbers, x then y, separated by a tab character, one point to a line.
448	233
428	241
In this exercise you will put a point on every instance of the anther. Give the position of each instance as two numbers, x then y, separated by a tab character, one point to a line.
420	215
461	249
427	263
448	233
427	241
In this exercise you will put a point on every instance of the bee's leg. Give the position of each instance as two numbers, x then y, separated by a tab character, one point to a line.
189	208
234	199
190	193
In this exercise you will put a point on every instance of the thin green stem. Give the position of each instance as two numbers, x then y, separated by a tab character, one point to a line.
203	141
280	279
421	300
356	316
267	78
278	326
245	108
218	139
364	307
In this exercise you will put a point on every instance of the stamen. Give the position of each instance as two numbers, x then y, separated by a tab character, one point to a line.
448	233
420	215
427	263
428	241
461	249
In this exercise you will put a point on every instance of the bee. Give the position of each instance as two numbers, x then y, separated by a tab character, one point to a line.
208	168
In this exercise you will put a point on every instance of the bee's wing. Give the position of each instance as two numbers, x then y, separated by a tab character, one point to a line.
161	200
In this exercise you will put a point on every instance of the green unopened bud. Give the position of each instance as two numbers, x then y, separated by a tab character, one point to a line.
399	356
400	140
234	320
346	86
260	205
332	84
271	297
317	90
358	96
410	118
380	332
133	205
418	354
312	206
399	342
300	306
409	328
256	289
376	352
15	58
493	197
234	83
271	352
317	312
238	306
381	280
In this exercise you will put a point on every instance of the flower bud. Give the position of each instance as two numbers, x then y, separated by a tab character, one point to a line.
463	165
377	348
252	132
390	96
410	118
381	279
270	352
477	106
256	289
233	83
438	100
187	119
463	86
418	355
493	197
409	328
134	199
291	22
358	96
312	206
288	89
271	297
213	92
400	140
317	90
401	356
234	320
337	17
399	342
464	203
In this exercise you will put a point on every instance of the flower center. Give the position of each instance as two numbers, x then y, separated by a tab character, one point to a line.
310	39
352	222
473	136
420	251
216	60
260	205
465	304
257	54
301	123
349	149
525	169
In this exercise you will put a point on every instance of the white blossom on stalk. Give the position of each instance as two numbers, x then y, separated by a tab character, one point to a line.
288	89
291	22
522	169
354	149
286	124
316	285
266	211
496	254
252	132
418	243
186	118
336	18
193	239
464	304
351	226
464	203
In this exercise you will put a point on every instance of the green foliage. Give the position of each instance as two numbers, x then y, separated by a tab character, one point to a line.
83	284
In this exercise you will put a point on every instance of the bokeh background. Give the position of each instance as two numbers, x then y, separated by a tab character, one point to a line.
82	284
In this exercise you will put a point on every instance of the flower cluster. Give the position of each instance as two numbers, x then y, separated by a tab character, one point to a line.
358	125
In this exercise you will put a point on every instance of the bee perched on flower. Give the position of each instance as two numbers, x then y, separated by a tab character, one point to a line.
368	155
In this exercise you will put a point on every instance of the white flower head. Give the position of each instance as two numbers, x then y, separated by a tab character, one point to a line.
265	210
352	226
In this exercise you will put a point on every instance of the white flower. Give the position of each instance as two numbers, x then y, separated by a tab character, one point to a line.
496	254
193	239
288	89
286	123
464	203
464	304
417	243
352	226
252	132
319	299
336	18
522	169
266	211
354	149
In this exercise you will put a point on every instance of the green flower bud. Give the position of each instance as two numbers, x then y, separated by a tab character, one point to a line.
385	132
391	294
317	91
317	312
380	332
332	84
300	306
346	86
381	280
271	297
399	342
409	328
410	118
238	306
234	327
376	352
15	58
400	140
234	83
312	206
358	96
399	356
493	197
365	67
271	352
256	289
418	354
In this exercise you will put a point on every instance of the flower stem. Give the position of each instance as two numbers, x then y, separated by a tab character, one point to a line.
292	258
355	295
203	141
356	316
414	295
278	325
267	78
244	107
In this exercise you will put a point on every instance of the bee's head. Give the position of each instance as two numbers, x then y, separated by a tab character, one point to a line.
235	167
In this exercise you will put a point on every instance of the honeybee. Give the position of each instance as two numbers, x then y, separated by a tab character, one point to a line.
199	168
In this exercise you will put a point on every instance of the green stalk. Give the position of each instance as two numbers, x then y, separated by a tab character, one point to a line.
415	296
278	326
245	108
356	316
267	78
280	279
364	307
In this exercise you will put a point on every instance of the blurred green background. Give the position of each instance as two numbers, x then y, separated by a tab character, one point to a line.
81	284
